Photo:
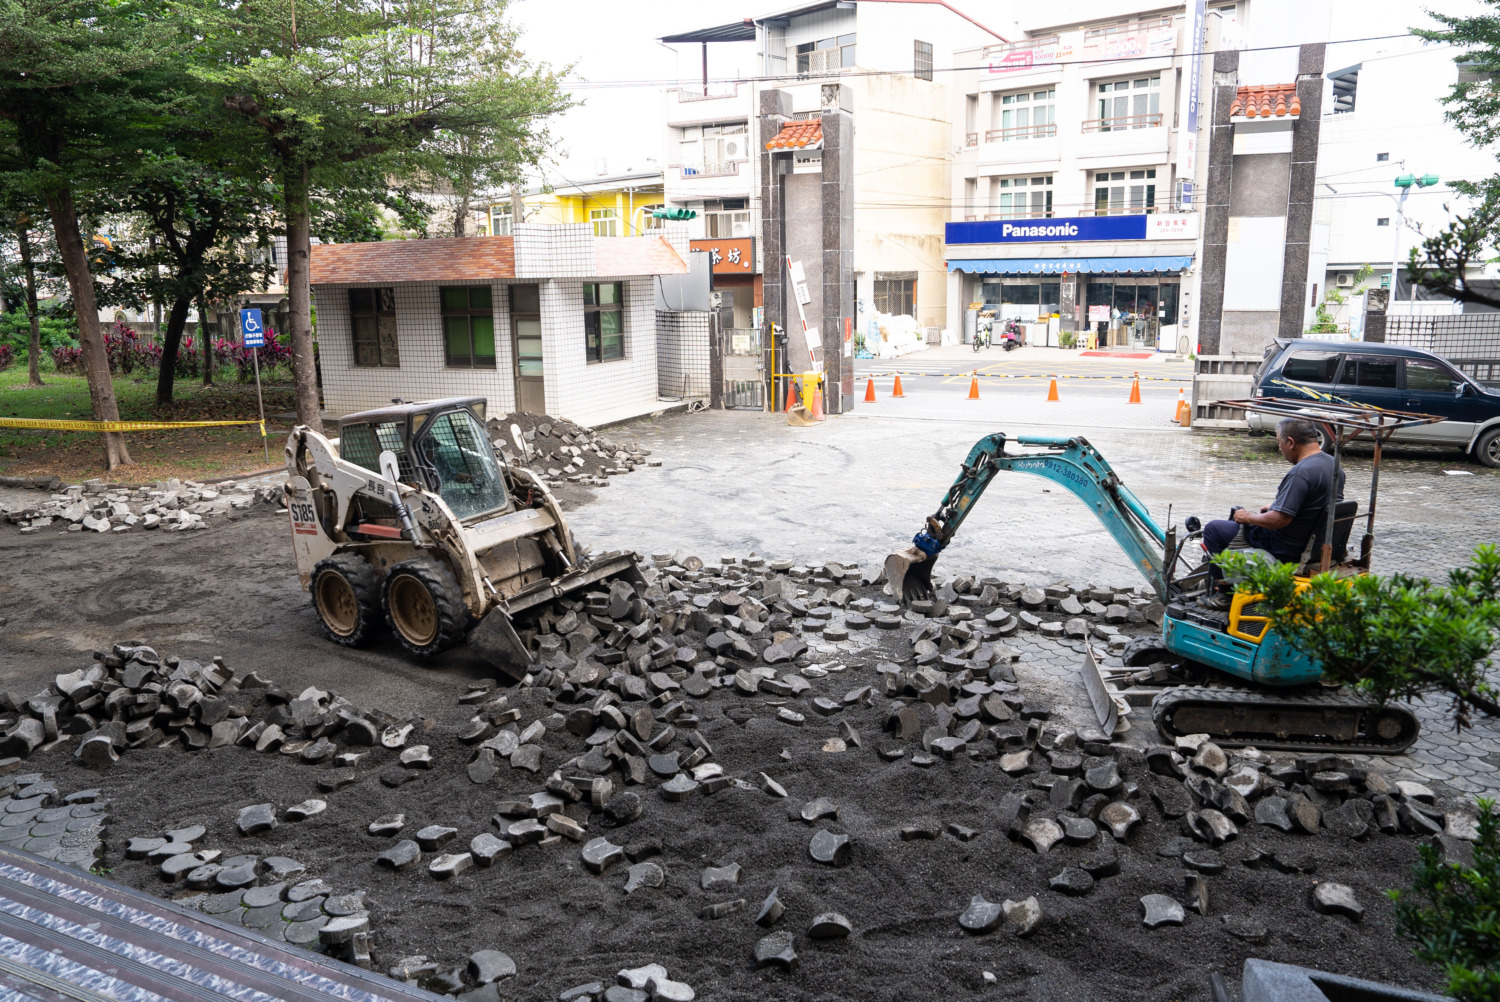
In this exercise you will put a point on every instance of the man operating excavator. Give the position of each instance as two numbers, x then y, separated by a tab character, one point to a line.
1284	527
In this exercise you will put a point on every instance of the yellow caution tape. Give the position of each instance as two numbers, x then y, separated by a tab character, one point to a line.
105	426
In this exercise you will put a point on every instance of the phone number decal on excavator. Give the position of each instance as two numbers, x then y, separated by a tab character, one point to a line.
1053	467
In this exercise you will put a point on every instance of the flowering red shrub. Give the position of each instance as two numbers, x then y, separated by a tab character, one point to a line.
7	356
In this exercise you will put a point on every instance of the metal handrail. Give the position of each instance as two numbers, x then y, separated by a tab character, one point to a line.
1028	43
713	168
971	139
1021	132
685	96
1123	122
1136	210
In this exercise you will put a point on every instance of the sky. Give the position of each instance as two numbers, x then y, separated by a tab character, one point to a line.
611	41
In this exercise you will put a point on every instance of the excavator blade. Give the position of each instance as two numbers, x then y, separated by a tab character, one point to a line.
909	572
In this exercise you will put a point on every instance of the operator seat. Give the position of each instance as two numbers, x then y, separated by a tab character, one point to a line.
1344	513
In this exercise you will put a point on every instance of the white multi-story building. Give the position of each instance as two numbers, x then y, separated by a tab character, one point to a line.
1076	197
903	137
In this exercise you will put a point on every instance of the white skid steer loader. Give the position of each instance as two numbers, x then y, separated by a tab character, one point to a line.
414	521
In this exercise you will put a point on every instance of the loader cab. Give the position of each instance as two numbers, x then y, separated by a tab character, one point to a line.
440	446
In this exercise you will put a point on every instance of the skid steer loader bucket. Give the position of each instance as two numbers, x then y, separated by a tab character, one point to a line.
495	639
909	573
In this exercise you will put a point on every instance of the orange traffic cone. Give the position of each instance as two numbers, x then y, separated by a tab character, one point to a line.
870	391
896	391
974	386
817	403
1181	405
1052	392
1135	390
791	394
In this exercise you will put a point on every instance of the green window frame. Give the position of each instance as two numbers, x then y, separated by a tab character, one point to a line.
468	326
603	321
372	327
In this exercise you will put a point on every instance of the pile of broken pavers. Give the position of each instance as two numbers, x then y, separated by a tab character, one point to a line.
172	506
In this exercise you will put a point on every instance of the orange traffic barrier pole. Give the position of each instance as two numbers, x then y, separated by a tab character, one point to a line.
974	386
896	391
1135	390
791	394
1052	392
870	391
1181	405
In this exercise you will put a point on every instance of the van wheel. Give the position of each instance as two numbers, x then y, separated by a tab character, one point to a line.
1487	449
424	606
1324	442
346	595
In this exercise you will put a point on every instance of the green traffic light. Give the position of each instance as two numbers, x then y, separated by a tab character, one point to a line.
1406	180
1427	180
676	214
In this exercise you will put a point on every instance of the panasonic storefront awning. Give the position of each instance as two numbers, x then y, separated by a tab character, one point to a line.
1074	265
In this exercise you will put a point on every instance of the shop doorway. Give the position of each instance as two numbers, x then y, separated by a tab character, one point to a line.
1130	312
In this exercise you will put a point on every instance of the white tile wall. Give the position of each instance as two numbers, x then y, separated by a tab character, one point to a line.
554	250
583	392
422	374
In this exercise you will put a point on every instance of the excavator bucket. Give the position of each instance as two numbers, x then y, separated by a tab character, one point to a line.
495	638
909	573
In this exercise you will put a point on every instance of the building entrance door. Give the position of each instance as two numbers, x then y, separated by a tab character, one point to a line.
526	341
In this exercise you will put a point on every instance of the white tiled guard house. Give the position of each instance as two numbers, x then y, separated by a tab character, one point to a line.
551	320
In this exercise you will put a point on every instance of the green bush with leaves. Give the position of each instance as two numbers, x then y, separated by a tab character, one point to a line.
1452	913
57	331
1395	636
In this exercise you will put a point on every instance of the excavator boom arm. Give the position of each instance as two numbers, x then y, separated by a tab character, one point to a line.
1071	463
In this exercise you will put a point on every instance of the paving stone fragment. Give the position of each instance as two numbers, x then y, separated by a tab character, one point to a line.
450	864
778	948
1203	860
1161	910
236	875
401	856
1305	815
1244	928
434	837
1024	915
623	808
1272	812
822	807
600	854
526	832
620	993
1337	899
256	819
1120	818
1411	790
720	878
342	929
140	848
770	909
266	894
770	786
1458	824
640	977
1079	831
1042	833
280	869
667	990
828	848
1072	881
639	875
829	925
486	848
678	788
486	966
722	909
306	809
388	825
1345	821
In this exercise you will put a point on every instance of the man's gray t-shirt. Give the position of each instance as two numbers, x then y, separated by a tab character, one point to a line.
1303	495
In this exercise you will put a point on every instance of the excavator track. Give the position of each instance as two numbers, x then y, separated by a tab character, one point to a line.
1313	719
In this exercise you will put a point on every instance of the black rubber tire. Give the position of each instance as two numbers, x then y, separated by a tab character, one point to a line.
1143	651
424	629
1487	448
345	593
1324	442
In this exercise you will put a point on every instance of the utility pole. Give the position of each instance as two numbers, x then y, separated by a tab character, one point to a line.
1405	183
517	210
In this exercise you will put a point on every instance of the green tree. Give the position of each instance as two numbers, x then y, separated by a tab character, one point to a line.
206	221
1453	913
1395	636
326	85
74	77
1442	261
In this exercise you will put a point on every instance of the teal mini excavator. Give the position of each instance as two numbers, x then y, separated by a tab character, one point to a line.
1226	673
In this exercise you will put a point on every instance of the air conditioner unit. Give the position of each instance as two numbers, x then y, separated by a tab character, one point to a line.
734	148
1345	279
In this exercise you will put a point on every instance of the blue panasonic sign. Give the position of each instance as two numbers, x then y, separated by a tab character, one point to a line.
1010	231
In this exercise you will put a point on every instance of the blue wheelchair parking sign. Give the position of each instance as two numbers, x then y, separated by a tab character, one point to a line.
254	330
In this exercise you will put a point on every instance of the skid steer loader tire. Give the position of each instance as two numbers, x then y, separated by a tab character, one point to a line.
424	606
346	595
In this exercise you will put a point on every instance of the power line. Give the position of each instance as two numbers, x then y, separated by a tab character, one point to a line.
843	75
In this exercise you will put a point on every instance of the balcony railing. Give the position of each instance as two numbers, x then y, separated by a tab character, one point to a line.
1123	123
1094	36
1120	210
1026	44
971	139
1019	214
1021	132
713	168
716	92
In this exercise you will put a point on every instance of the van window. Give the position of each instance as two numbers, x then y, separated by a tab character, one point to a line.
1422	375
1311	366
1373	371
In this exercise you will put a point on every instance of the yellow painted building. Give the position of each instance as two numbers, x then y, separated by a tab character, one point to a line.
618	206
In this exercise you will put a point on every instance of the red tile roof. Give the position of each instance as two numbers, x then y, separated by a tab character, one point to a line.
799	135
636	256
453	259
468	259
1266	100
